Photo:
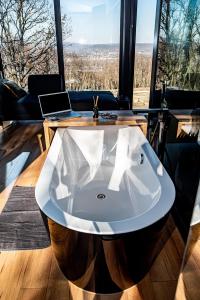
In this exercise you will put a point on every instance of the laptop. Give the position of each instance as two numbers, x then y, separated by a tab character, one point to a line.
56	106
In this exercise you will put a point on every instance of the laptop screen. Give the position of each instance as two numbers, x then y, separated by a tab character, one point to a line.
54	103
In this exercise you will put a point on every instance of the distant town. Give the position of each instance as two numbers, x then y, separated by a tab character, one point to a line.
96	67
110	49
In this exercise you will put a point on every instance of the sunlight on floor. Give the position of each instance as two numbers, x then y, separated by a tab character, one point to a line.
15	166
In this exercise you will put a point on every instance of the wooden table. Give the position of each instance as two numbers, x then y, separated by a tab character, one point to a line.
125	117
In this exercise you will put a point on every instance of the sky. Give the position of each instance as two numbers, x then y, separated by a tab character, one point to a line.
98	21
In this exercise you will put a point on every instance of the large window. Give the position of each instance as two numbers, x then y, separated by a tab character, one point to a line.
143	54
27	39
91	45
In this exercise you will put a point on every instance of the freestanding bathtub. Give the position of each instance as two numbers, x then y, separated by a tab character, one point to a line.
107	197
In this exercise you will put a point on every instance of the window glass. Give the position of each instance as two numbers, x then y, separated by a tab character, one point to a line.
27	40
179	45
91	49
143	56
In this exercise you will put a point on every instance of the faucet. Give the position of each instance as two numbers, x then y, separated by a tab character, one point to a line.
141	158
95	108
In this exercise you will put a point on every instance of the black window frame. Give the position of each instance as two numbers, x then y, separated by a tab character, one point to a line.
127	49
153	101
59	40
128	20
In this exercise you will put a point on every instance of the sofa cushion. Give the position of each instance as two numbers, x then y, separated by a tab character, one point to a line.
15	91
44	84
10	93
182	99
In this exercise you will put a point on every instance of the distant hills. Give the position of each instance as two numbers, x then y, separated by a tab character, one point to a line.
143	48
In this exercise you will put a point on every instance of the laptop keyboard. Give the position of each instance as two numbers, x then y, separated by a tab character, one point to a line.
57	117
63	115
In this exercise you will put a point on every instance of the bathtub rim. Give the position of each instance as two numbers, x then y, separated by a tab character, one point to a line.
54	212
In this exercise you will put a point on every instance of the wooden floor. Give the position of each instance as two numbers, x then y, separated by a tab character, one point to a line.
34	274
189	281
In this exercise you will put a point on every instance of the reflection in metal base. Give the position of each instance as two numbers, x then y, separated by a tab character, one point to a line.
106	264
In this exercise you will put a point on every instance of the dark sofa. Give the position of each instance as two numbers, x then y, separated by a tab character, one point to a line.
27	107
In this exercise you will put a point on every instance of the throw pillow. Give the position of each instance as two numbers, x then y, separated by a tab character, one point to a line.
13	89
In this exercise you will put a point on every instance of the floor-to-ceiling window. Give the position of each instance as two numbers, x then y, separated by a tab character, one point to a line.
91	44
27	39
146	11
91	35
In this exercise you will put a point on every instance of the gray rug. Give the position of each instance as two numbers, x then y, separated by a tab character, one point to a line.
22	225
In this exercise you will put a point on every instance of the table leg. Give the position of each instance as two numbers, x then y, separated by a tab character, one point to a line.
48	135
143	127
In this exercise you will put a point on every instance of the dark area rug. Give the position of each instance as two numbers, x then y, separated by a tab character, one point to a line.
22	225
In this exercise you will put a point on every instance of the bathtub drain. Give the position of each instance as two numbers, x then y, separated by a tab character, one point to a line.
101	196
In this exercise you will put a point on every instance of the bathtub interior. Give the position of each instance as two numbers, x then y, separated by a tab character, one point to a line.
103	174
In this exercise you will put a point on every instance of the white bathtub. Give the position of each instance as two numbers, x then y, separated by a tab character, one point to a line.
103	180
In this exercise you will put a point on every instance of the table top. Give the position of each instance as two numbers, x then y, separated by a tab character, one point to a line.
86	118
186	114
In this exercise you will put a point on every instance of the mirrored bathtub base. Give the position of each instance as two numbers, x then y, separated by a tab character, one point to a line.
104	245
106	263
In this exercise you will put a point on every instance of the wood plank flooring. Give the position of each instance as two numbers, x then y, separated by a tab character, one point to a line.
189	281
34	274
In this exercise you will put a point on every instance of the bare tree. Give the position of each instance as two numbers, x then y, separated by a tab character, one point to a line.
142	75
179	49
28	38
